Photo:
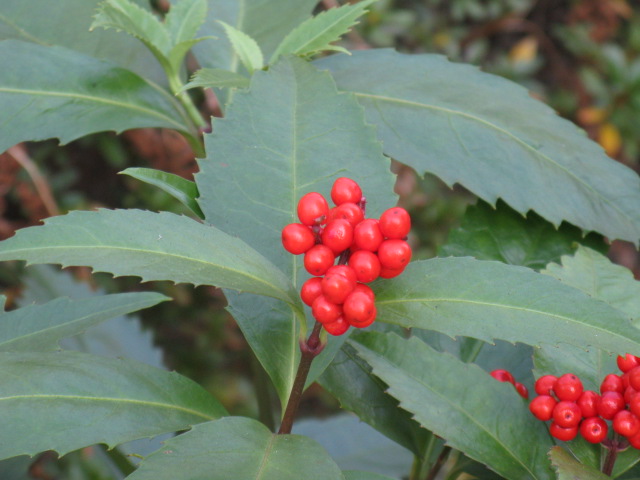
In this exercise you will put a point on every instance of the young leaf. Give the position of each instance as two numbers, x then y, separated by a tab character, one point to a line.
54	92
40	327
489	135
568	468
245	47
63	401
318	33
216	78
289	134
153	246
240	448
184	19
494	416
179	188
487	300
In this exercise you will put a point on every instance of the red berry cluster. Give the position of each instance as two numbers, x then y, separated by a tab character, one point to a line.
366	248
572	409
505	376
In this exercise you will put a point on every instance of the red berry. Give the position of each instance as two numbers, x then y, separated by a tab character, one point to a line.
588	403
609	404
297	238
337	235
325	311
634	404
544	385
561	433
567	414
634	377
361	287
628	394
626	423
338	327
367	235
627	362
503	376
568	387
318	259
612	383
345	270
522	390
634	441
542	407
347	211
336	287
345	190
395	223
366	265
594	429
312	209
359	310
311	289
394	254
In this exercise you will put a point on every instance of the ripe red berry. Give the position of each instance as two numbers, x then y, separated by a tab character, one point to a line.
594	429
345	270
337	235
297	238
347	211
522	390
367	235
627	362
318	259
542	407
311	289
361	287
503	376
312	209
390	272
366	265
567	414
626	423
612	383
628	394
394	254
325	311
544	385
359	310
568	387
634	377
345	190
634	404
336	287
395	223
338	327
609	404
588	403
634	441
561	433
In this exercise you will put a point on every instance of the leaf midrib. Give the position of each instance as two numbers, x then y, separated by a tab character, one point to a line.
329	27
22	31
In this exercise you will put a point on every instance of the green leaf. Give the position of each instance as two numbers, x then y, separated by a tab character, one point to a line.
245	47
153	246
487	300
502	234
289	134
489	135
184	19
179	188
216	78
358	475
238	448
494	416
317	34
40	327
55	92
63	401
568	468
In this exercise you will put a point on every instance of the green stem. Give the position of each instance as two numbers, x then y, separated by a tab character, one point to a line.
175	84
435	469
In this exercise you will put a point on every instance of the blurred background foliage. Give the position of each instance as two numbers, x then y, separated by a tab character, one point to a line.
579	56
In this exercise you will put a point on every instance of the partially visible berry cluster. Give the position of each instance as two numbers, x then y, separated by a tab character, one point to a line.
505	376
366	248
572	409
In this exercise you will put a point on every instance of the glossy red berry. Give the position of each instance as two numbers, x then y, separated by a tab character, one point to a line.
626	423
612	383
366	265
345	190
634	404
336	287
568	387
522	390
311	289
318	259
561	433
390	272
394	254
503	376
337	235
634	378
325	311
628	394
367	235
297	238
337	328
366	289
609	404
542	407
345	270
359	310
544	385
588	403
567	414
627	362
395	223
312	209
347	211
594	429
634	441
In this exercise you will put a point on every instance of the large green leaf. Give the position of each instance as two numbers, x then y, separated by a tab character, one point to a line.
489	135
487	300
358	475
289	134
66	400
153	246
466	406
501	233
568	468
54	92
238	448
40	327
